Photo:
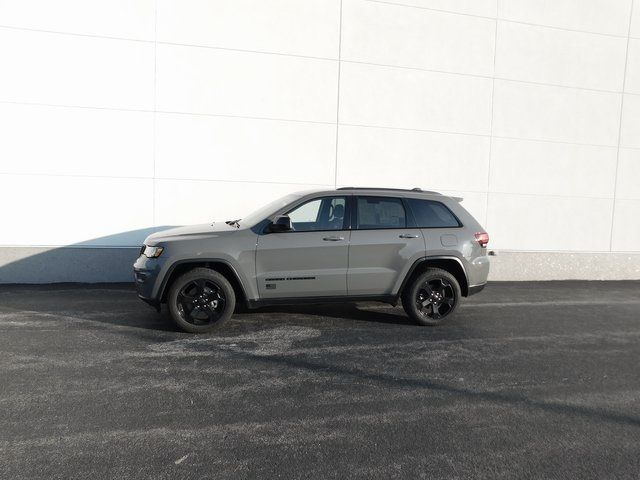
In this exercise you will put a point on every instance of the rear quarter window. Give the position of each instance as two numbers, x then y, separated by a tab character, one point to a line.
432	214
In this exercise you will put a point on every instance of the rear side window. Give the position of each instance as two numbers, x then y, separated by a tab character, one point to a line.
380	212
430	214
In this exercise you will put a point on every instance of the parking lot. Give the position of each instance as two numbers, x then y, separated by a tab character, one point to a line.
529	380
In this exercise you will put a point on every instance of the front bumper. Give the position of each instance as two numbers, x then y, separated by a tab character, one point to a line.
145	275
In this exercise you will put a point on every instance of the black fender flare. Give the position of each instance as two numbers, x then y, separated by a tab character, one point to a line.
198	262
421	260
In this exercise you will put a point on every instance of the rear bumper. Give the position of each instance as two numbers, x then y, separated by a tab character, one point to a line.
473	289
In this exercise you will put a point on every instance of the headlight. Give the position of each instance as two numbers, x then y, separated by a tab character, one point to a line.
152	252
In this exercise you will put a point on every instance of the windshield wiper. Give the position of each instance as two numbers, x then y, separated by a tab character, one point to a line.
235	223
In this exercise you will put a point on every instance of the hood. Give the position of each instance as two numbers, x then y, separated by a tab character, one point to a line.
190	231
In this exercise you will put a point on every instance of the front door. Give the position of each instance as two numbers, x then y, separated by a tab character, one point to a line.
311	260
384	244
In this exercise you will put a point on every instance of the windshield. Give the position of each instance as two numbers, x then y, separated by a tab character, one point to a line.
262	213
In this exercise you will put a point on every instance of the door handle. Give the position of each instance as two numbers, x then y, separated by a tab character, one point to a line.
408	235
333	239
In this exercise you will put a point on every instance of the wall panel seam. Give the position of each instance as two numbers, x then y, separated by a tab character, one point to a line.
167	112
493	90
317	122
487	17
323	185
449	12
620	119
335	167
294	55
488	77
155	108
179	179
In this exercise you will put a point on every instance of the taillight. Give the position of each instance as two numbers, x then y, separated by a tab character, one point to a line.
482	238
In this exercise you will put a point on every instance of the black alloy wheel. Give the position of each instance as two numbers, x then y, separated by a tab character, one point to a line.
201	300
431	297
435	298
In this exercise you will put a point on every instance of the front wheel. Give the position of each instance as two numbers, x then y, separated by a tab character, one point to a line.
432	297
201	300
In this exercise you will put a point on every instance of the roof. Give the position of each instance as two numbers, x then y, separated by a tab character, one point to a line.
415	189
376	190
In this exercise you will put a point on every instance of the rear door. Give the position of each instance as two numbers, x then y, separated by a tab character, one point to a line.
311	260
384	244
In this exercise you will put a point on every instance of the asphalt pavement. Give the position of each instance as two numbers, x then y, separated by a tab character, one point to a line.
528	380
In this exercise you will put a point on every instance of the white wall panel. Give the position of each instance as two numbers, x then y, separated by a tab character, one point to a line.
80	136
534	222
75	141
75	70
396	35
400	158
485	8
300	27
630	132
626	228
474	202
632	83
115	18
180	202
635	21
628	185
72	210
547	55
530	167
392	97
555	113
240	149
603	16
204	80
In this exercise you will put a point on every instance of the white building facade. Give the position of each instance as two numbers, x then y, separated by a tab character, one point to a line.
121	117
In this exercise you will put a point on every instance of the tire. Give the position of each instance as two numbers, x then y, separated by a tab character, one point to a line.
432	297
201	300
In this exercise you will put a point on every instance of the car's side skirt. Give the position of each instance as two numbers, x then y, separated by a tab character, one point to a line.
391	299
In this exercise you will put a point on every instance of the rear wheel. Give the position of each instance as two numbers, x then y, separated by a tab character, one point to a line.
432	297
201	300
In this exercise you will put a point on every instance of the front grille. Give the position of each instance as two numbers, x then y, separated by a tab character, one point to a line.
142	248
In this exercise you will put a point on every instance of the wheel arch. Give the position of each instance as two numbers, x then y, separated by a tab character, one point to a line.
221	266
451	264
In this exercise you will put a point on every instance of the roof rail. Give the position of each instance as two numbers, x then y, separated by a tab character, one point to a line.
416	189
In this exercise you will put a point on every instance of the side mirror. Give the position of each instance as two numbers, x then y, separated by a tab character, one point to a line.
282	223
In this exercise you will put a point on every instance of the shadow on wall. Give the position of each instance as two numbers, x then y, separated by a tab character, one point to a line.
93	261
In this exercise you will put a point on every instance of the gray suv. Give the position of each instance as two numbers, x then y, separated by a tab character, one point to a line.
350	244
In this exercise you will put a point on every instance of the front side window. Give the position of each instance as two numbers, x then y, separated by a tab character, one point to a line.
431	214
325	213
380	212
262	213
